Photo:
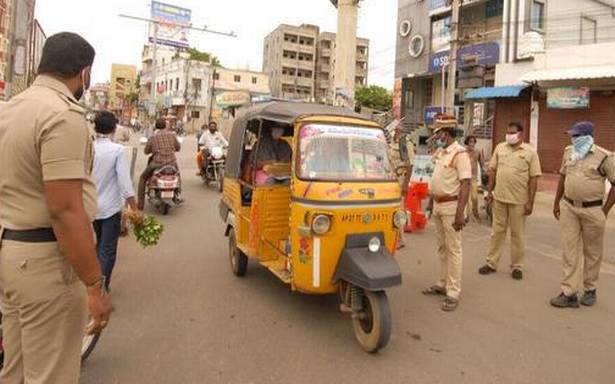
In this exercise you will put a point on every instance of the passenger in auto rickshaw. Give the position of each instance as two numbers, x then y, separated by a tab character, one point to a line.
269	149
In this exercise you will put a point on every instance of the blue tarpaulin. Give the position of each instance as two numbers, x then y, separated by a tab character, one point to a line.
495	92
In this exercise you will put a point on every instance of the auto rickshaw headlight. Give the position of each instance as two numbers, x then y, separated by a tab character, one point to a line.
374	244
400	219
321	224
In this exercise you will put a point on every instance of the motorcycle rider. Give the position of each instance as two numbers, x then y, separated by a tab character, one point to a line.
162	147
209	139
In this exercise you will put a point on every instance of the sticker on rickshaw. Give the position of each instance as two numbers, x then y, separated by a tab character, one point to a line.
304	250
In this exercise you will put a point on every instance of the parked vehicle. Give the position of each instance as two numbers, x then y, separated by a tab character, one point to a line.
163	189
325	223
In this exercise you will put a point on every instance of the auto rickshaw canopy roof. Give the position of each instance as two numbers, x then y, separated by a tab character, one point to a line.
288	112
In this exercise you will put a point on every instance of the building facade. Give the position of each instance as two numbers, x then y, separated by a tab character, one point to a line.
97	97
5	22
422	59
289	59
325	74
122	87
560	60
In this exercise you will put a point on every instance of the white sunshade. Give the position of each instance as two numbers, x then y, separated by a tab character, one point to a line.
579	73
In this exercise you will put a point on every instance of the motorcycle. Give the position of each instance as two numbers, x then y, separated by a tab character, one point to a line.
214	173
163	189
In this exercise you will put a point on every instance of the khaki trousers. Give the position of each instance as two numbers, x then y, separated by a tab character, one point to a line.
581	226
507	216
449	248
474	197
43	315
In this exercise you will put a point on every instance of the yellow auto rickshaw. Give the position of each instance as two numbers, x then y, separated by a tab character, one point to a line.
310	195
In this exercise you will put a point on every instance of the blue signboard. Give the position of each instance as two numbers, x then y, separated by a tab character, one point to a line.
430	114
488	54
172	25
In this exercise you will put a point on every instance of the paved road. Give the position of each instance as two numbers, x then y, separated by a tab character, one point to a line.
182	317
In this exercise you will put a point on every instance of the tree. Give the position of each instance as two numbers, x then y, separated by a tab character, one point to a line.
374	97
207	57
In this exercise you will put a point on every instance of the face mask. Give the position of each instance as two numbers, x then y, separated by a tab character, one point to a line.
440	143
512	138
581	146
277	133
85	84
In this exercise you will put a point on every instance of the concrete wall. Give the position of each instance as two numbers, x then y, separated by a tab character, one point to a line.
564	22
417	13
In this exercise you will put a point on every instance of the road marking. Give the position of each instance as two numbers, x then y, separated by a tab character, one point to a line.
316	263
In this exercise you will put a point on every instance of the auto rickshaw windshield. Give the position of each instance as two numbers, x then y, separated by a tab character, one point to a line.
343	153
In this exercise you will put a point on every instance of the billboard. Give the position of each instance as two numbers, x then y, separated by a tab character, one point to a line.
173	23
568	98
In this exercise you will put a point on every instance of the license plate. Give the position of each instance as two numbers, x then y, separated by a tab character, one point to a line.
167	194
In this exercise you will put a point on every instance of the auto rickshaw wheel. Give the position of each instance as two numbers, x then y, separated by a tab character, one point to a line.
239	261
372	325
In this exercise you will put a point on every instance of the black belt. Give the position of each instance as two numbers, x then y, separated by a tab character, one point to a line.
40	235
584	204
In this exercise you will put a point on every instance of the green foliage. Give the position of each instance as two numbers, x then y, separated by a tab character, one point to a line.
147	231
207	57
374	97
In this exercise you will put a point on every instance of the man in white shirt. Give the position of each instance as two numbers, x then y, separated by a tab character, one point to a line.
113	188
209	139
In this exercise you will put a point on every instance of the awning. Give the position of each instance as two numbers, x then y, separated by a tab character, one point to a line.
495	92
580	73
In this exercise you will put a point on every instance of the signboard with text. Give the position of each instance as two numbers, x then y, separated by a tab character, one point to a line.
430	114
173	23
568	98
487	54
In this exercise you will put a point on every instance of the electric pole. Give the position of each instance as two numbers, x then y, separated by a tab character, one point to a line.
452	65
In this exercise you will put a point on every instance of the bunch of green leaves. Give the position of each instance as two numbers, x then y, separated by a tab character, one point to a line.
147	231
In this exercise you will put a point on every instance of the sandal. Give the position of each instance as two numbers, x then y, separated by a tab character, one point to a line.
449	304
434	290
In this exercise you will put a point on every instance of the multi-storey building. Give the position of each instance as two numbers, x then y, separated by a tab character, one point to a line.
122	85
97	97
289	59
325	73
5	22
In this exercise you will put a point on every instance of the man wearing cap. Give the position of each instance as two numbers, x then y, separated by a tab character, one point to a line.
514	170
450	189
582	214
49	275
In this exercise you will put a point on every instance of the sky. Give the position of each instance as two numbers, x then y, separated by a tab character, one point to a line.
119	40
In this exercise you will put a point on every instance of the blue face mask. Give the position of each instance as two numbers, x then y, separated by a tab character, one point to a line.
582	145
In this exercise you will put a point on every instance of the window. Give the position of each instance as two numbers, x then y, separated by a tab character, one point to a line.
177	84
254	79
216	76
237	79
538	15
196	114
589	30
171	85
196	84
333	152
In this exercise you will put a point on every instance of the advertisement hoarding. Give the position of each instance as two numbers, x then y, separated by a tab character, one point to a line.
568	98
441	34
173	23
487	54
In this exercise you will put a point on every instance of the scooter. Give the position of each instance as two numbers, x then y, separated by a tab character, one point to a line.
214	173
163	189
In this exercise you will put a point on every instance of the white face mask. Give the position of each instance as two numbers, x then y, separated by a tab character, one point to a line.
277	133
513	138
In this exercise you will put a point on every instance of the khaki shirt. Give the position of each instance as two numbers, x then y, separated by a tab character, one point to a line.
514	166
585	178
395	155
452	165
43	137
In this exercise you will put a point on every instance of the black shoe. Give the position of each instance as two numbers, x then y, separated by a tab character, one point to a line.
486	270
589	298
517	274
563	301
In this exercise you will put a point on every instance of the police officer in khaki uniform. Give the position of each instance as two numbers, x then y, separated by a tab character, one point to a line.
514	170
450	189
582	214
49	275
